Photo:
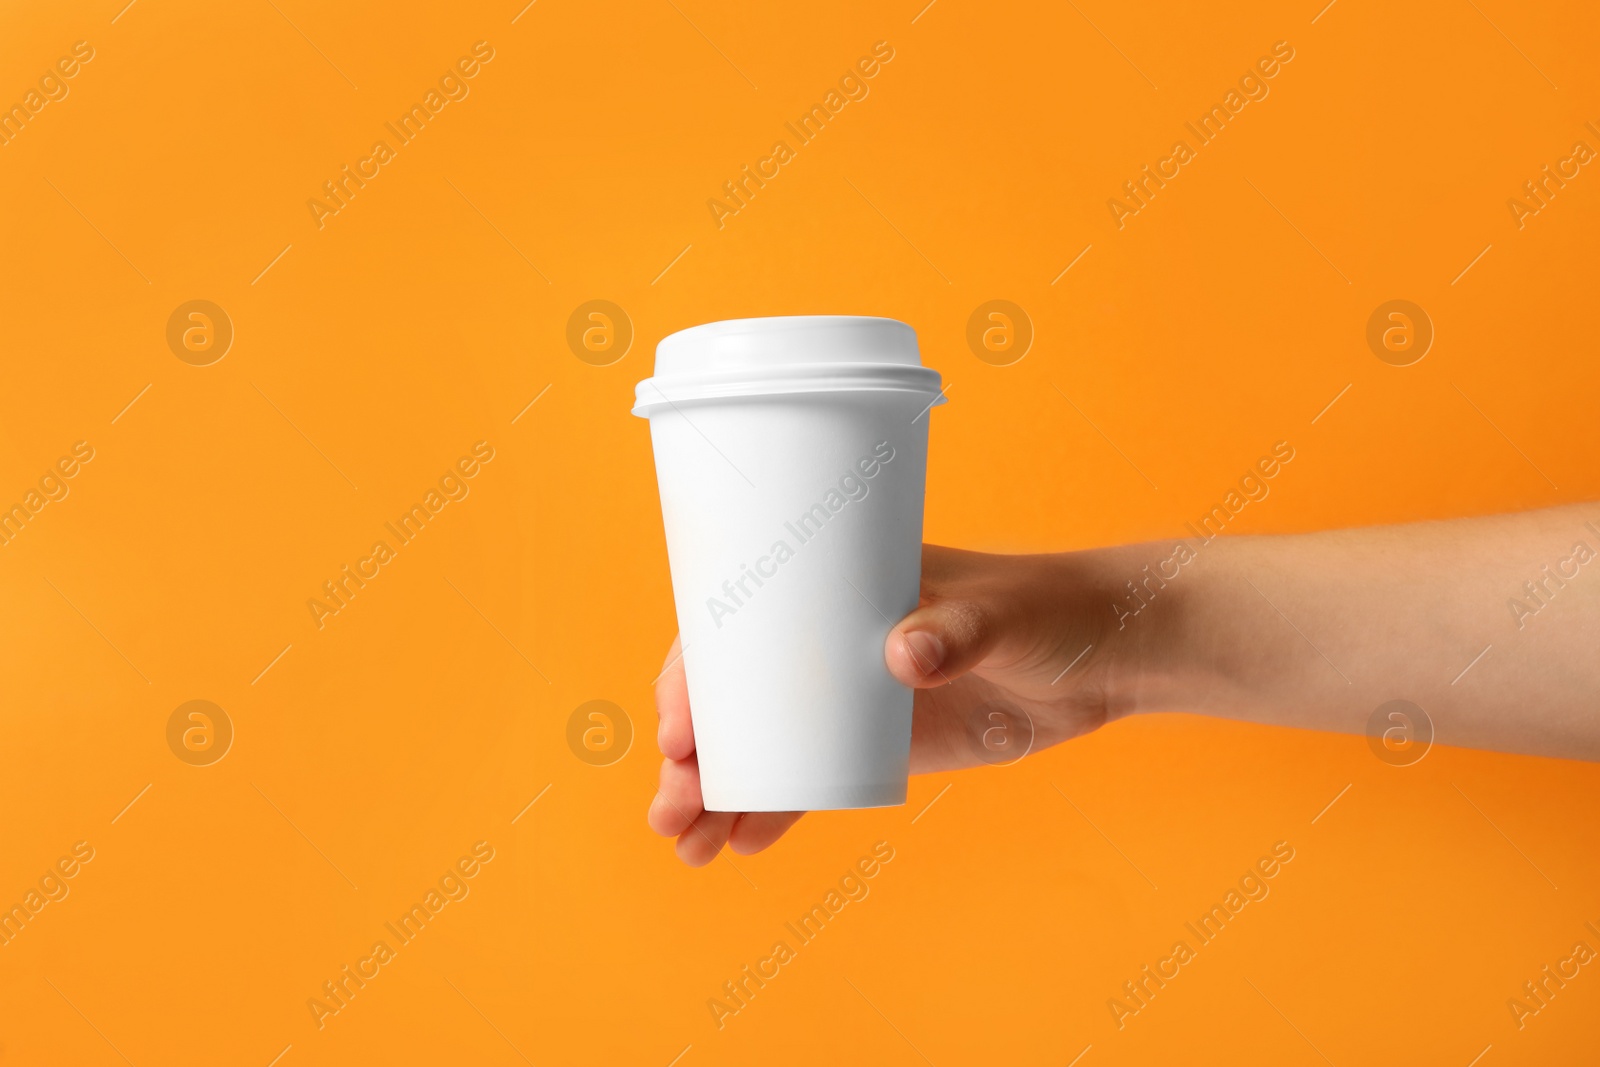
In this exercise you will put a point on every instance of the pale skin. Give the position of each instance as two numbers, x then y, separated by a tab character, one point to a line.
1305	630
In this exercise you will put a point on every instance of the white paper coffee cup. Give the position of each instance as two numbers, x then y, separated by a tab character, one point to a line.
791	455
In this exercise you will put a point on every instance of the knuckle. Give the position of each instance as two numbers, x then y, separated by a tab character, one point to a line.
966	622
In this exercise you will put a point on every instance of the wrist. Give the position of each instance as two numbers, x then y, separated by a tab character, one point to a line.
1153	601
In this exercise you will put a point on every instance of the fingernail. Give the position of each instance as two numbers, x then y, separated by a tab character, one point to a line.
927	651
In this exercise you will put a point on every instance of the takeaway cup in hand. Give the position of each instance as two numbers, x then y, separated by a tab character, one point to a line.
791	455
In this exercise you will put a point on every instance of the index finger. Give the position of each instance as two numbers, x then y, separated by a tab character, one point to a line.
675	735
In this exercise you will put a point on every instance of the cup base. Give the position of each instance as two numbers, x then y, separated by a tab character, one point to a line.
807	797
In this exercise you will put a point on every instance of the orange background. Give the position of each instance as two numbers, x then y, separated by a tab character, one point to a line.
431	310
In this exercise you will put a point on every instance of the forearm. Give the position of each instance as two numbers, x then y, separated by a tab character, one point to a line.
1319	630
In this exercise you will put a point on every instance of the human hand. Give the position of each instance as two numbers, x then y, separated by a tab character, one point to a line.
1008	655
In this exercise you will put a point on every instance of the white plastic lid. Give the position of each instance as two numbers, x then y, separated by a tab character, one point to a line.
788	354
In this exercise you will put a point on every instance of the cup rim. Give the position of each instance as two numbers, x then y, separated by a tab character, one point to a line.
663	392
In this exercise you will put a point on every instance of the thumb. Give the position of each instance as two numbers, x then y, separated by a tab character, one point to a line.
939	642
